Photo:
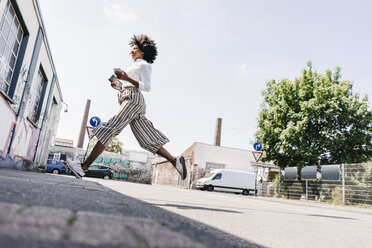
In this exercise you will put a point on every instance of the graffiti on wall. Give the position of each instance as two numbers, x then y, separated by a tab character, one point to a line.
8	119
126	169
24	141
112	161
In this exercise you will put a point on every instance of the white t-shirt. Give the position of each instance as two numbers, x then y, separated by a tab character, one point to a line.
141	72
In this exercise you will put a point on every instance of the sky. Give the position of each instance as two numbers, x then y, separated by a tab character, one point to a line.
215	57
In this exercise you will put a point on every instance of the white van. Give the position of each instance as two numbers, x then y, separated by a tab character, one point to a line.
228	181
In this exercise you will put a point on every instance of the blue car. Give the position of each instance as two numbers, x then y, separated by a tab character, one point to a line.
55	166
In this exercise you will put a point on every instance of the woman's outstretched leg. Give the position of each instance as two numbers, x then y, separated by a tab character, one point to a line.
97	150
153	141
165	154
178	163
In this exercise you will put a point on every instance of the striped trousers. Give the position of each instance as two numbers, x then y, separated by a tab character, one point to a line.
132	111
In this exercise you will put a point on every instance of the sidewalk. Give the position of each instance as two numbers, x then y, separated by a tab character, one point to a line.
44	210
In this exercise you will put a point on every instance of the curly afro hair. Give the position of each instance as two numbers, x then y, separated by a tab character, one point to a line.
146	45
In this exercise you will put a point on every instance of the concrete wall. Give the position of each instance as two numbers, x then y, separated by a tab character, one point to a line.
210	156
165	173
22	142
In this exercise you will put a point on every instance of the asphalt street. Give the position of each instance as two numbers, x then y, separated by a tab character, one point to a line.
45	210
267	222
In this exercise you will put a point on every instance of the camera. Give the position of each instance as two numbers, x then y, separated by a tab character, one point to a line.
113	78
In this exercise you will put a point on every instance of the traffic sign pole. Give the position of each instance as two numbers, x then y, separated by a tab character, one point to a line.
86	151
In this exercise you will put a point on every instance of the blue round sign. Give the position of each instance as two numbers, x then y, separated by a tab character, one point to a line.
257	146
95	121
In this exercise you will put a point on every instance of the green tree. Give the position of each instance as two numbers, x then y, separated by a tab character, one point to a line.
315	119
115	145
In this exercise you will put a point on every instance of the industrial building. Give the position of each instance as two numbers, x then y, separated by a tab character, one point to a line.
202	158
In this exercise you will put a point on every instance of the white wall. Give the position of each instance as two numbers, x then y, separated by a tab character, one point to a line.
235	159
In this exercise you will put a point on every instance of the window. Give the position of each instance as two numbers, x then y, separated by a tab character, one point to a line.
11	34
36	97
218	176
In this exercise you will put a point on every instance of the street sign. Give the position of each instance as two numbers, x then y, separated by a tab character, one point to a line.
95	121
257	146
257	155
90	132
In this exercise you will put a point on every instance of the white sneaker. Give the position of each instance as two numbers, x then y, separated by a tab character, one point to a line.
181	167
75	167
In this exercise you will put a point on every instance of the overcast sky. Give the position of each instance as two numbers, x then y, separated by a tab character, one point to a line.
214	58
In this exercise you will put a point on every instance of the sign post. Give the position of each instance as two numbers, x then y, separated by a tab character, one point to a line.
94	121
90	136
257	154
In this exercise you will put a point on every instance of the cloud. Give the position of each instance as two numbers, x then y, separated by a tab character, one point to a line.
116	12
243	69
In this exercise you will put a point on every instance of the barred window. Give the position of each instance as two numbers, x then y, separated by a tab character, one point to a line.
11	34
36	96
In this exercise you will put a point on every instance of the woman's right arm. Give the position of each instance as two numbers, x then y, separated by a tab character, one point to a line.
116	84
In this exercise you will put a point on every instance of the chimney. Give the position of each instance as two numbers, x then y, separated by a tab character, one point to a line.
217	134
83	125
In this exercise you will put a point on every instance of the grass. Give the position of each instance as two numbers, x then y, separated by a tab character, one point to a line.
71	220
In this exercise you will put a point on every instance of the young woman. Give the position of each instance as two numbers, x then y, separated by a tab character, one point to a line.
132	110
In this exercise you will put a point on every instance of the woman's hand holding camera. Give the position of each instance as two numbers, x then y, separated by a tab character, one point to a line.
121	75
114	84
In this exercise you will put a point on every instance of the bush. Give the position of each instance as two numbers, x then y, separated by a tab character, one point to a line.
337	196
276	184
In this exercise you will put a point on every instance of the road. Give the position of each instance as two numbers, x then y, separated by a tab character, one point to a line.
262	221
45	210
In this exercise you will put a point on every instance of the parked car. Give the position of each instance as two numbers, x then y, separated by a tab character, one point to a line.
228	181
55	166
100	171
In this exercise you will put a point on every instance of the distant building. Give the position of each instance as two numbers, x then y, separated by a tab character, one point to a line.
63	142
202	158
30	95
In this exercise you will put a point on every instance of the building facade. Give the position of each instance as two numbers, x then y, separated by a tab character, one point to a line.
30	94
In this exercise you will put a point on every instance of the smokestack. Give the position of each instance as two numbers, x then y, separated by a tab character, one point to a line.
83	125
217	134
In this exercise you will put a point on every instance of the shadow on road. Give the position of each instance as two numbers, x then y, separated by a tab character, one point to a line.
198	208
330	216
180	206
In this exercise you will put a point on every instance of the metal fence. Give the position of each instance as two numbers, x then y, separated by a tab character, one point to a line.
354	187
